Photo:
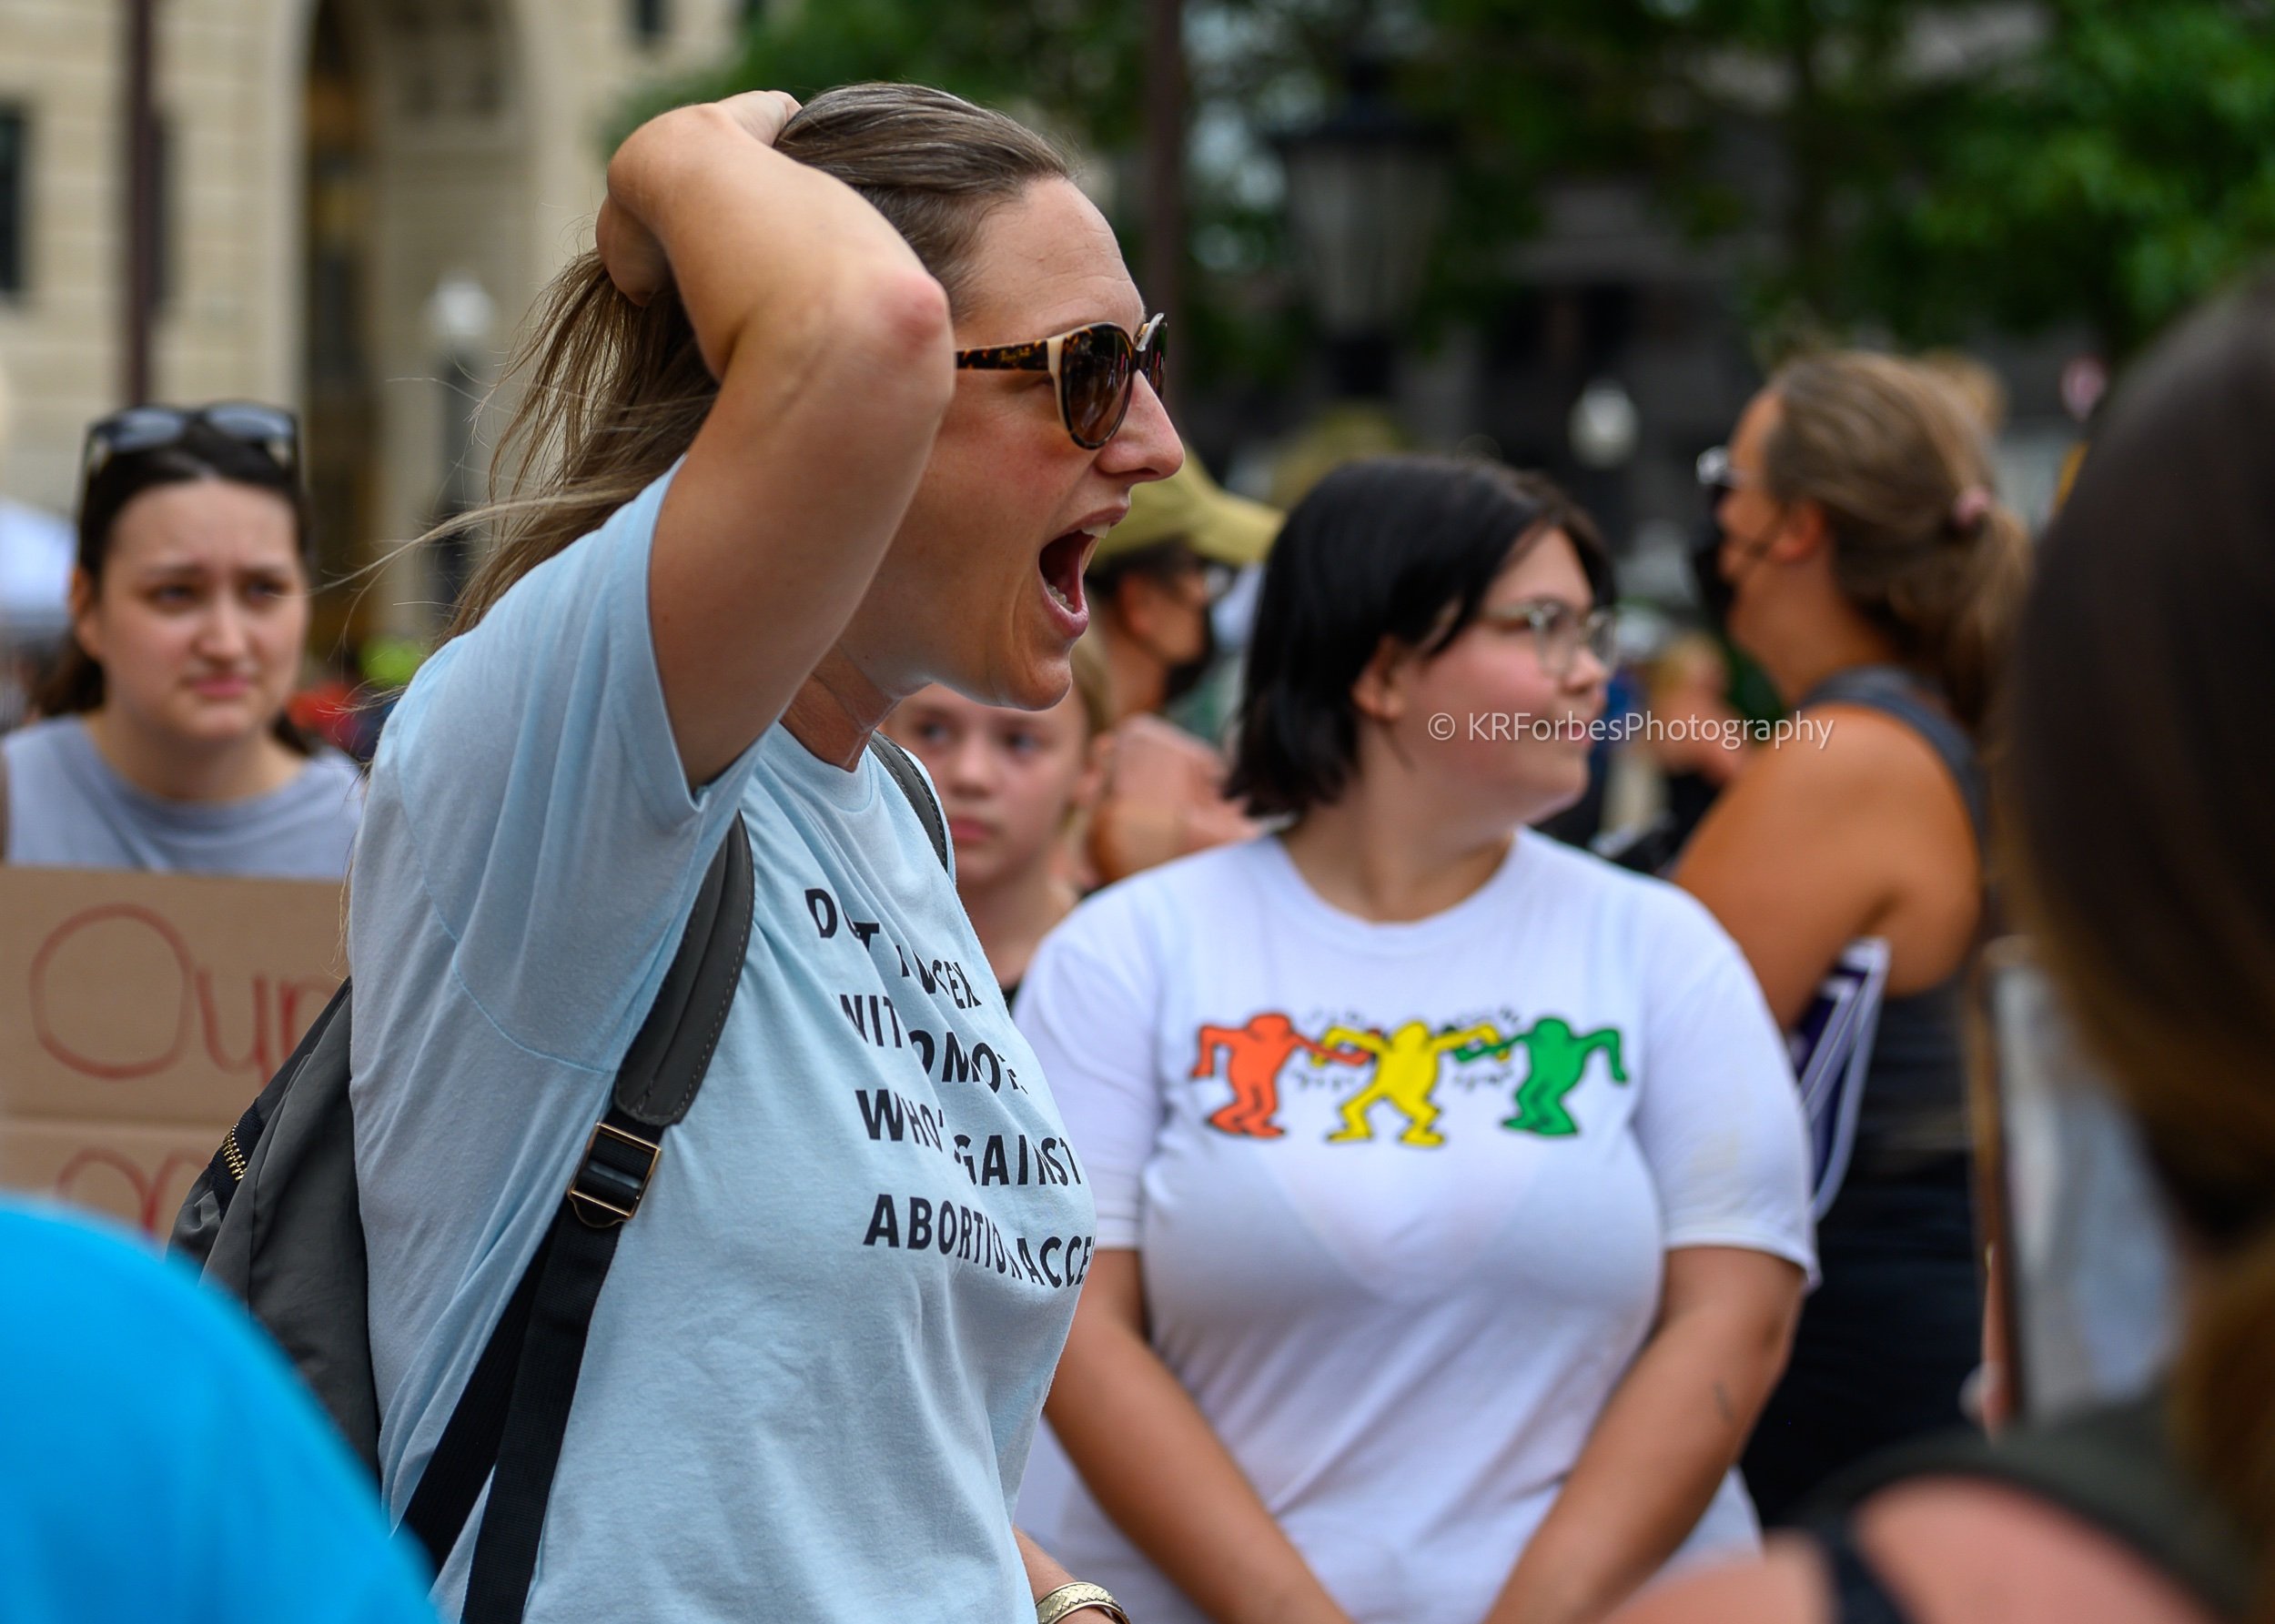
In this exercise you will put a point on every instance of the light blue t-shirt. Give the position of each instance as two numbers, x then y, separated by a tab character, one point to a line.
159	1461
817	1364
67	807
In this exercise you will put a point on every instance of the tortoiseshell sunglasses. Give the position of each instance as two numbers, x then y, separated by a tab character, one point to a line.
1096	369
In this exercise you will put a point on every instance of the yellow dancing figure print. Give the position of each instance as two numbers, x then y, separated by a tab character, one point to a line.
1556	1059
1405	1073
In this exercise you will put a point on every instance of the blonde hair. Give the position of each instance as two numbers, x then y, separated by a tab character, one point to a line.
1920	544
1093	687
616	392
1977	387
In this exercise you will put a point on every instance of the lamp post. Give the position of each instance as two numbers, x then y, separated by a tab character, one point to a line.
1366	186
1604	426
1165	162
140	287
462	317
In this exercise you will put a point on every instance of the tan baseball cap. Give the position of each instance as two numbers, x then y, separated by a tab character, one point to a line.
1190	506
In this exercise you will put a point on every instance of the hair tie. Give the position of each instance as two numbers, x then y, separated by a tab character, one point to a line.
1969	509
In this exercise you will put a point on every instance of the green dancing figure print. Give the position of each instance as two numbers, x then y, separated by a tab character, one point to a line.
1556	1060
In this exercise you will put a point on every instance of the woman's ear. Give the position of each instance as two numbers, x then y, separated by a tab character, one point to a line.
1097	766
1139	604
1380	693
86	624
1807	531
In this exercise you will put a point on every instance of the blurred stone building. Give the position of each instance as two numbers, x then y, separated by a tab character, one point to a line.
355	201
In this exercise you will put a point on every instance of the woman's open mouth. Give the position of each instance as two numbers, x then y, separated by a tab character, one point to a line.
1060	564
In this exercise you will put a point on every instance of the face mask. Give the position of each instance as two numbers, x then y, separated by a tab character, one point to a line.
1716	595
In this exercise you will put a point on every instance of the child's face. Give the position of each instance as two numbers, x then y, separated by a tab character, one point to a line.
1006	778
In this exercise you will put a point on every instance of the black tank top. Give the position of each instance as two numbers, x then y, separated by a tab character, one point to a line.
1914	1113
2112	1469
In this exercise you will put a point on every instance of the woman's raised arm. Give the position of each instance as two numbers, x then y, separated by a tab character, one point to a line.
833	351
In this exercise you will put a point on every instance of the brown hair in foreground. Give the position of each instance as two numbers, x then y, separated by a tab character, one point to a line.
2138	808
1889	450
614	392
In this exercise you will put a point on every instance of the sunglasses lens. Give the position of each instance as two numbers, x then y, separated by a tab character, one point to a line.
1096	372
274	430
245	420
139	428
1154	360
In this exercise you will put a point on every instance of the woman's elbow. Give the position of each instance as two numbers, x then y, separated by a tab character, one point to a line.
894	323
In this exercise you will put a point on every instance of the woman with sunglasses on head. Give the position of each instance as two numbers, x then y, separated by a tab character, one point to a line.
165	744
836	410
1864	562
1451	1182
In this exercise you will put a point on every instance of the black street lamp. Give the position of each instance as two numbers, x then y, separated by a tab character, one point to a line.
1366	186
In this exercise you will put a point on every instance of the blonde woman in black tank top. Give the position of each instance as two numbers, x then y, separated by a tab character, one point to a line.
1871	573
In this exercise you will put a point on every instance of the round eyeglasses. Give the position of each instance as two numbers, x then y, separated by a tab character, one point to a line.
1560	631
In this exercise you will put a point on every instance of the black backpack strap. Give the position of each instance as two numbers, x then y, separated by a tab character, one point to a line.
227	1170
911	779
510	1421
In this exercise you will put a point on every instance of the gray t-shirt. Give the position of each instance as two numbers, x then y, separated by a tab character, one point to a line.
68	808
817	1364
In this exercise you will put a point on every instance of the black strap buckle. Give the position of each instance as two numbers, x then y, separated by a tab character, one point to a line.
614	1176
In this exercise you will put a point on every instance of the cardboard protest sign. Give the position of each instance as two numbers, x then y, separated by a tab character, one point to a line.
139	1014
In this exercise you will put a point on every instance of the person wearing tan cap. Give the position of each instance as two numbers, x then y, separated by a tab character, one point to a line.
1155	576
1151	585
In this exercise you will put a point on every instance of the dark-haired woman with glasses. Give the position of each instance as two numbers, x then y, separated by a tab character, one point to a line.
165	743
1450	1182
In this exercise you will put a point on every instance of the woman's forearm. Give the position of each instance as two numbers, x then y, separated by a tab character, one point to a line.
1658	1453
1159	1470
1044	1572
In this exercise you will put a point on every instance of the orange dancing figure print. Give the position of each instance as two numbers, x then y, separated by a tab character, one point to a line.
1253	1057
1405	1073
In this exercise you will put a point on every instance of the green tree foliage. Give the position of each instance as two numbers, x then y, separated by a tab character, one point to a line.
1930	167
1926	166
2118	172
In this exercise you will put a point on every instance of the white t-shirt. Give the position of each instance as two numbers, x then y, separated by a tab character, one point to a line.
1403	1273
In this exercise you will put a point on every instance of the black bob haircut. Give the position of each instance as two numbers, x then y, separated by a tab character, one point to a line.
1403	548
